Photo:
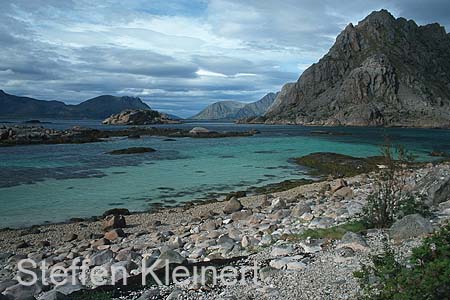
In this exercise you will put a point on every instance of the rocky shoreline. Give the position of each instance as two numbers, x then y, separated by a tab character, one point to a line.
34	135
304	241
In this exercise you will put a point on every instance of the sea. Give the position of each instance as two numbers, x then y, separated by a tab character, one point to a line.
53	183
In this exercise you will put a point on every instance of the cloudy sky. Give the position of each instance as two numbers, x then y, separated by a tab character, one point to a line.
178	56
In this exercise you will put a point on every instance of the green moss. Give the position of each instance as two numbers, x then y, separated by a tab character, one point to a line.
333	233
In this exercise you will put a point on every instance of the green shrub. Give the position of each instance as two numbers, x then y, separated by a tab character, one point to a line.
390	199
426	276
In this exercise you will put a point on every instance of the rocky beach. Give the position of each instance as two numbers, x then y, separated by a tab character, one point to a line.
307	242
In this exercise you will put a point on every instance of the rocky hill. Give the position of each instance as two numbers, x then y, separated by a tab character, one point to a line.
382	72
96	108
233	110
139	117
219	111
257	108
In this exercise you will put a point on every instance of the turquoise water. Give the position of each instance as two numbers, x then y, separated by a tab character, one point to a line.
52	183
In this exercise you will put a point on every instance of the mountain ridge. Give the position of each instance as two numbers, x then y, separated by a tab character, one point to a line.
385	71
100	107
234	110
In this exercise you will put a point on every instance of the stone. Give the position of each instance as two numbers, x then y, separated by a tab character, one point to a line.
22	244
241	215
114	234
267	272
21	292
282	250
338	184
300	209
410	226
114	222
169	257
344	193
175	294
175	242
353	241
54	295
295	265
311	246
278	203
101	258
6	284
233	205
100	242
149	294
435	186
70	237
199	130
69	287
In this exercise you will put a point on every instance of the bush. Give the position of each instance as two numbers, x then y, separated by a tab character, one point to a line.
426	276
391	200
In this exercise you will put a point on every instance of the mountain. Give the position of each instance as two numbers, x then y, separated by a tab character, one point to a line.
223	110
232	110
382	72
257	108
96	108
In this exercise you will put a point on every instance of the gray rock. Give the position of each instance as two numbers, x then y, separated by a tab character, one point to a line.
435	186
21	292
233	205
353	241
282	250
278	203
410	226
6	284
69	237
169	257
102	258
267	272
54	295
300	209
69	287
114	222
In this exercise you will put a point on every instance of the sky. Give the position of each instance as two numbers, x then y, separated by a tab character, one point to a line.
178	56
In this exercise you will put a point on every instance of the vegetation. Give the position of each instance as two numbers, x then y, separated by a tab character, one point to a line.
426	276
391	199
333	233
281	186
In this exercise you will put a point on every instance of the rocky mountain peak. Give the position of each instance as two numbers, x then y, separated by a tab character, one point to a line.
383	71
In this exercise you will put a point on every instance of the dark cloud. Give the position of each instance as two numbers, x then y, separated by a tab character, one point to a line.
179	56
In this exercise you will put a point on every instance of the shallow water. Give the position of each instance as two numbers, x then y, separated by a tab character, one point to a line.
52	183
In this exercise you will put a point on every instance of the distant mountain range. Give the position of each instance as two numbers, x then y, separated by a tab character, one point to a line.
96	108
233	110
384	71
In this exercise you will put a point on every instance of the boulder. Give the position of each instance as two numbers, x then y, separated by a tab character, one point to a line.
410	226
114	234
435	186
353	241
344	193
278	203
54	295
199	130
114	222
300	209
233	205
101	258
338	184
69	237
169	257
21	292
6	284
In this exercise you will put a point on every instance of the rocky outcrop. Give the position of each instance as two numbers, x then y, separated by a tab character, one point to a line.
232	110
381	72
139	117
